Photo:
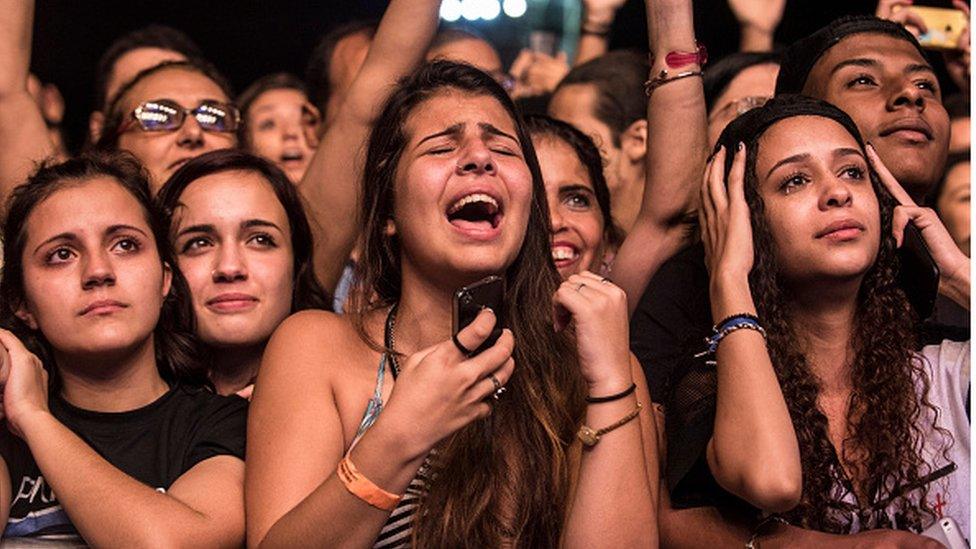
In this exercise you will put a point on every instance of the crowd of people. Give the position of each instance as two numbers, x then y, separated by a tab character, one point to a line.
734	304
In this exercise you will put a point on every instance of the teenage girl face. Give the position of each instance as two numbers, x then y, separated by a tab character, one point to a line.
953	205
276	122
163	152
820	205
893	95
93	280
577	222
233	245
463	189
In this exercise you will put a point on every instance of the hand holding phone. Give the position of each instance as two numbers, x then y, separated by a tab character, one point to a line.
489	293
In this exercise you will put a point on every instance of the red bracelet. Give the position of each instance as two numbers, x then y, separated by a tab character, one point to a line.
678	59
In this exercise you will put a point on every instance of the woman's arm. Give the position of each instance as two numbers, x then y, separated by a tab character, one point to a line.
615	501
595	24
24	138
753	452
758	20
675	154
294	497
205	506
331	184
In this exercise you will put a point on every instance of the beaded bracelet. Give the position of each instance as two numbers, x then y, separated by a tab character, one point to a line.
727	326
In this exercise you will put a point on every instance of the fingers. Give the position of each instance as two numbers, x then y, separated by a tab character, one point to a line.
486	387
716	182
521	64
474	334
899	219
736	180
887	179
961	6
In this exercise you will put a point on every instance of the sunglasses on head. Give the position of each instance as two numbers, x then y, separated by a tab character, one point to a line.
164	115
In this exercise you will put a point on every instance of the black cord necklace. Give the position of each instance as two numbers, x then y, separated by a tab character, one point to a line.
388	340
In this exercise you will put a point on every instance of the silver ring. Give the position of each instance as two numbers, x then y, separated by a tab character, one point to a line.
499	388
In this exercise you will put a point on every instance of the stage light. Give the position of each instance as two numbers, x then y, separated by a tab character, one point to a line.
514	8
490	9
471	10
451	10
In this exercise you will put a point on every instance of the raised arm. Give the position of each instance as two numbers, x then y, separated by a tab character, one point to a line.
204	506
758	20
615	501
676	150
24	139
598	16
749	404
331	184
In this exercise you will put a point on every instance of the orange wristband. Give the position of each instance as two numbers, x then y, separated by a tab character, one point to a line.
363	488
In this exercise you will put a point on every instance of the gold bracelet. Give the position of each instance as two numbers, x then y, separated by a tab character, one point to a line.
590	437
663	78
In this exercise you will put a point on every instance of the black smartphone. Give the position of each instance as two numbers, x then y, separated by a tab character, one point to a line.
469	300
918	275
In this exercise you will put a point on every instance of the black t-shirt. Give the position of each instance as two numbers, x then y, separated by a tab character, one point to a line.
672	319
154	444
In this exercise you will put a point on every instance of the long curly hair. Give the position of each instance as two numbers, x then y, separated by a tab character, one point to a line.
503	480
889	413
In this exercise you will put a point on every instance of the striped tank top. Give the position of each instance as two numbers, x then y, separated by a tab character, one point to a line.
399	526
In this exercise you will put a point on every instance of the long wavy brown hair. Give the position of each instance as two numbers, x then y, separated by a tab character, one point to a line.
889	413
504	479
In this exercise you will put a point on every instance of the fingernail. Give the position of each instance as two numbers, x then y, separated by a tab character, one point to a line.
739	146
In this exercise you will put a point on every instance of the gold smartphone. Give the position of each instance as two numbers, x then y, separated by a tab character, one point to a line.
944	27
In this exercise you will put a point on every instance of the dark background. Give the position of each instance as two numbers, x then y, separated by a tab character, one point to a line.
249	38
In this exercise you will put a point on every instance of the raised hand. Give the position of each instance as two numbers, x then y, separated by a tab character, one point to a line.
957	61
724	217
23	380
761	15
897	11
953	263
536	73
601	12
597	310
440	390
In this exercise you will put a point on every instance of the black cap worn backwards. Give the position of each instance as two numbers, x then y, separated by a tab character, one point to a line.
802	55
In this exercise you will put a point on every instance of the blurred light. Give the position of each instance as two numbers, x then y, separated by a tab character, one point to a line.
514	8
451	10
471	9
490	9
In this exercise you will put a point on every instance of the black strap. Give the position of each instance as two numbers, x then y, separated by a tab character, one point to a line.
388	341
611	398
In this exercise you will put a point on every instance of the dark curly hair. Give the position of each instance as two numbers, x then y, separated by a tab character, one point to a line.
888	412
178	354
504	480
